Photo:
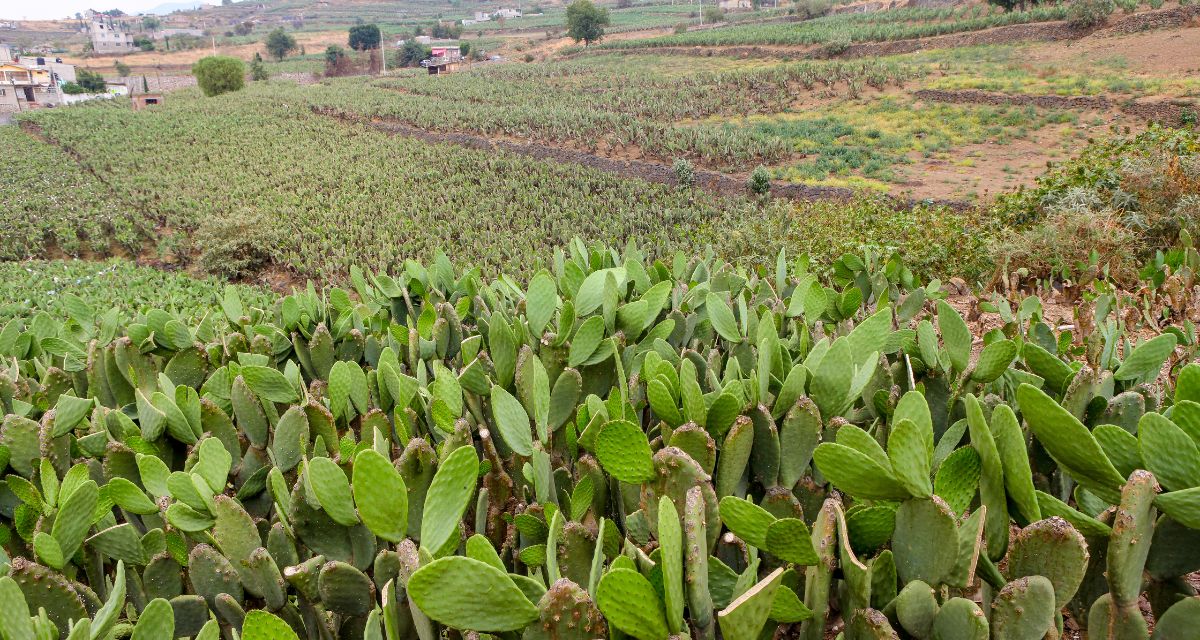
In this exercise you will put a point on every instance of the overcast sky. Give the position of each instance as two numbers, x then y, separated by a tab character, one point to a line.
46	9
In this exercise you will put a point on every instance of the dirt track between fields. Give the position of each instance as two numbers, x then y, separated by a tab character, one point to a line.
712	181
1168	112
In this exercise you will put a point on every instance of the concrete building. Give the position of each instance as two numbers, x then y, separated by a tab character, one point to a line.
443	59
31	82
107	36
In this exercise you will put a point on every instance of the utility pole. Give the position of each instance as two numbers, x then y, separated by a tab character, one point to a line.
383	52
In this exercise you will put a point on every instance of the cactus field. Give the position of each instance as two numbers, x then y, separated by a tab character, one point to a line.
610	447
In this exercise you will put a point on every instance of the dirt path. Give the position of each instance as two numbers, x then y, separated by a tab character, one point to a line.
712	181
1169	112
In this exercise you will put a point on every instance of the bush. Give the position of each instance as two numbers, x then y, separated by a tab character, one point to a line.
238	244
1088	13
1127	6
219	74
760	181
1074	238
685	172
682	27
1148	184
713	14
90	82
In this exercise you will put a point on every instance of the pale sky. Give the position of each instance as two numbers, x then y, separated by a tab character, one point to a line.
48	9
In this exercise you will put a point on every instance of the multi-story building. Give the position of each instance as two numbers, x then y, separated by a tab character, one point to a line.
30	82
107	36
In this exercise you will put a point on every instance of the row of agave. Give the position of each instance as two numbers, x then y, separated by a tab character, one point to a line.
615	448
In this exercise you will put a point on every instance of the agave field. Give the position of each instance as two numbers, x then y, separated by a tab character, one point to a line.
613	446
316	195
361	197
615	105
881	26
39	180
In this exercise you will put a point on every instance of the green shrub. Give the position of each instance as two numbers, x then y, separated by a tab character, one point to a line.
760	181
685	172
1089	13
219	74
237	245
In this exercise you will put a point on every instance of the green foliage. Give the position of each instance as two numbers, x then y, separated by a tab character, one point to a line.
586	22
280	43
90	81
364	37
219	74
1089	13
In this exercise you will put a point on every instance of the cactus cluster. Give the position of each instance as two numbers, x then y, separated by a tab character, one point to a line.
615	449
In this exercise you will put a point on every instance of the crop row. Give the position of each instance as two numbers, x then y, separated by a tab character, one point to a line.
47	202
841	29
257	178
614	447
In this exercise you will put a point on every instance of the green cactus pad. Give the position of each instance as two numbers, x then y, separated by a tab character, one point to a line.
261	625
332	490
157	621
630	603
1070	443
512	421
746	520
345	590
1169	453
960	619
1024	609
744	618
910	458
790	540
448	497
925	533
566	612
916	608
1054	549
624	452
1181	619
857	474
381	496
1129	545
469	594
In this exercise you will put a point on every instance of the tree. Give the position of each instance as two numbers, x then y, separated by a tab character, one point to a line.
243	28
412	54
364	37
219	74
151	23
586	22
280	43
258	71
713	14
122	69
144	43
145	85
90	81
337	63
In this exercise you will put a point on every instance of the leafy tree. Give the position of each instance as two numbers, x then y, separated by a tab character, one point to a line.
446	31
90	81
364	37
122	69
337	63
151	23
219	74
144	43
280	43
244	28
713	14
586	22
412	54
258	71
